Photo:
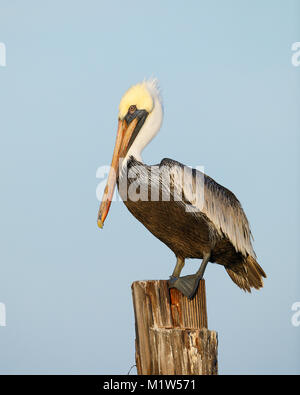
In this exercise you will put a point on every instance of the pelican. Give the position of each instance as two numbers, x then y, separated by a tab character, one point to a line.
200	219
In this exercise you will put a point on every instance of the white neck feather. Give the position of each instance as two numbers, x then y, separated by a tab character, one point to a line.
151	126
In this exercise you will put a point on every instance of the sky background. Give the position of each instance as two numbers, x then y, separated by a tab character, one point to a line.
231	98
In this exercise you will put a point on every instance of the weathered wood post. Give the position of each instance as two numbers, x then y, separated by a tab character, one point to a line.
171	331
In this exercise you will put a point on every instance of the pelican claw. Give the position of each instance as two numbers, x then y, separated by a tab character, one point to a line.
172	281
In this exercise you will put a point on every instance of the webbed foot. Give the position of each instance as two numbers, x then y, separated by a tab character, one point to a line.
187	285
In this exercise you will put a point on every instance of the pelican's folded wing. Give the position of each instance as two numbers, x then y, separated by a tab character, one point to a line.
202	194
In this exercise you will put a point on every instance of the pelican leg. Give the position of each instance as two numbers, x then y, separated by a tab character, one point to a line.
178	267
176	272
188	284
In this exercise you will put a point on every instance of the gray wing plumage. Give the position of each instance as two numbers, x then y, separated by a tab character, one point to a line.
219	204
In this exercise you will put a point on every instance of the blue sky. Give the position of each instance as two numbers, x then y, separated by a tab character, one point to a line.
231	98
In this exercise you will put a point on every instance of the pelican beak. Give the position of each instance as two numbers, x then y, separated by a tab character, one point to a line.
124	137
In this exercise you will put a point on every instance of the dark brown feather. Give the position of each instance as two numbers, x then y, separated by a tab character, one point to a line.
191	235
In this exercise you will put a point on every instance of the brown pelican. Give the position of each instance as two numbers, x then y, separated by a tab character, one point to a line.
187	210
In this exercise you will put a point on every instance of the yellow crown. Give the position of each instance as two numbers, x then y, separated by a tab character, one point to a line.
137	95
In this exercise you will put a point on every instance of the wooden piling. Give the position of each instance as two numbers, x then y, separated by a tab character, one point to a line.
171	331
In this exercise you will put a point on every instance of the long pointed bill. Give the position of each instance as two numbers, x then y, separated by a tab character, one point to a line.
124	134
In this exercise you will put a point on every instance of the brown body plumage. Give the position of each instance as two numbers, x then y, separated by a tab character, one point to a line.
221	227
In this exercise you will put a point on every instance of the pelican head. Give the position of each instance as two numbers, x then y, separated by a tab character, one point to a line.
139	120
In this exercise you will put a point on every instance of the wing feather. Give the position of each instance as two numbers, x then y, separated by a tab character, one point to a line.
219	204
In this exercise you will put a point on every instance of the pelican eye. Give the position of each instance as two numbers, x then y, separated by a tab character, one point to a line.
132	109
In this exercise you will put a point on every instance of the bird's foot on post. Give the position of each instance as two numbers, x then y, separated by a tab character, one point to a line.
187	284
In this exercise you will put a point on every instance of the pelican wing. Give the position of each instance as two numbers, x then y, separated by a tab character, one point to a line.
200	193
